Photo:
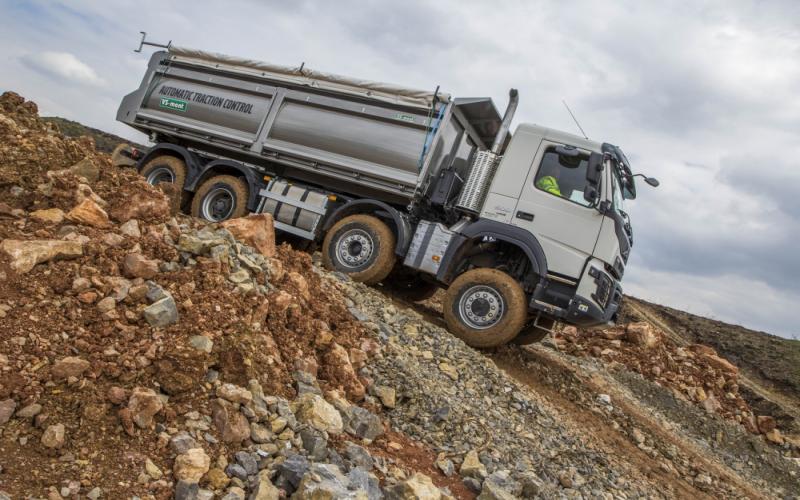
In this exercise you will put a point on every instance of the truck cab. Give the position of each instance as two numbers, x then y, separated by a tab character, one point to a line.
544	185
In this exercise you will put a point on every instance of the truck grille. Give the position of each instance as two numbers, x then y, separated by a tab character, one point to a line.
477	186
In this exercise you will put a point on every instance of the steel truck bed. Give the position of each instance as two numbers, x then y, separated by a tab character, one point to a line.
354	136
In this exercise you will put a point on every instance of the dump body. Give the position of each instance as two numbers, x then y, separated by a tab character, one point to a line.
364	138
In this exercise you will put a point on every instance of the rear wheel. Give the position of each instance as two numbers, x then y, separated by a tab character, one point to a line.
485	307
165	169
220	198
361	246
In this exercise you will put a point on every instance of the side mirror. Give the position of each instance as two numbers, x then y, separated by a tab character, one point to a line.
652	181
590	194
594	169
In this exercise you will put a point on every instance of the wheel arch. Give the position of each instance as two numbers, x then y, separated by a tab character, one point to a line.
229	167
398	223
476	231
192	161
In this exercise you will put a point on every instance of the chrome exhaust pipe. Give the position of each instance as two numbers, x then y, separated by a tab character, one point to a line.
500	138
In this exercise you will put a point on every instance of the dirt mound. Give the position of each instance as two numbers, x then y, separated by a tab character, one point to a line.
695	373
30	146
143	352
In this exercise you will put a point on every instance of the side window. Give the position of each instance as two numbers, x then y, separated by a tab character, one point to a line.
563	176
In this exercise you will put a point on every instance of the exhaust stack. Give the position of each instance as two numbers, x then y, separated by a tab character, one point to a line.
485	163
500	138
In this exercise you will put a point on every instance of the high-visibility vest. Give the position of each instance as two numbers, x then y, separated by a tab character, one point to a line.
550	184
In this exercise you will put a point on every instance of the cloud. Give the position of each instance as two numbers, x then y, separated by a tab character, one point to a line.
63	66
702	95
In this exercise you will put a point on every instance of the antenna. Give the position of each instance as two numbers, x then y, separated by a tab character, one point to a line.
143	42
575	119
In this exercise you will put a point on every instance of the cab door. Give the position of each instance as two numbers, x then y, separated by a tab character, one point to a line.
566	225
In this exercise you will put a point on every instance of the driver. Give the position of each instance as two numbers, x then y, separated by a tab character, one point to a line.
549	181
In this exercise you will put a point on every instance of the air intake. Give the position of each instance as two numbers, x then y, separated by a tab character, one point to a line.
480	177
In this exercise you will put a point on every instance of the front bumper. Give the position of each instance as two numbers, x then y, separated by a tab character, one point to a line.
597	301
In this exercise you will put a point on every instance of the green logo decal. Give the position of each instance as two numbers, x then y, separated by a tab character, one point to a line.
174	104
407	118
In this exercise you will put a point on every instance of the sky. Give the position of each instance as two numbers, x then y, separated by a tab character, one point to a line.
703	95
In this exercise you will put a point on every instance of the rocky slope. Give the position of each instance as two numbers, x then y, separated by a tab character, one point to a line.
145	354
103	141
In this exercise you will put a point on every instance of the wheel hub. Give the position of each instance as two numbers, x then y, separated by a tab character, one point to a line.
218	204
159	175
355	248
481	307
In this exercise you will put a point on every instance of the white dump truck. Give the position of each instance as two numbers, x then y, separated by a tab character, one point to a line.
412	187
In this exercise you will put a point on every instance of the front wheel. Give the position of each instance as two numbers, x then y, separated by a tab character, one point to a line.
220	198
361	246
485	307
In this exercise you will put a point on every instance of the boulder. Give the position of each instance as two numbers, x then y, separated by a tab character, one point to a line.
264	489
642	334
136	265
325	481
131	228
7	407
471	466
201	343
161	313
386	394
182	442
30	411
26	254
191	466
234	393
86	168
721	364
145	205
500	486
71	366
313	410
54	436
144	404
362	423
232	426
89	213
417	487
338	361
256	230
48	216
765	423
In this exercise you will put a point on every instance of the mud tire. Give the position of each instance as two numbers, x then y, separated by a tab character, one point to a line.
364	230
514	308
221	185
166	165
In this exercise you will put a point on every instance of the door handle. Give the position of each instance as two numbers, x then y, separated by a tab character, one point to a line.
524	215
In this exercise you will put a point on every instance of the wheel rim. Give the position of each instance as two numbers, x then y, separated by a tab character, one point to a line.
218	204
481	307
355	248
159	175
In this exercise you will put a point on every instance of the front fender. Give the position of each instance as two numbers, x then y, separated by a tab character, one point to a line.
514	235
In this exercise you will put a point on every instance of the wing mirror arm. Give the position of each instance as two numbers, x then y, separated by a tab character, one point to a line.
650	180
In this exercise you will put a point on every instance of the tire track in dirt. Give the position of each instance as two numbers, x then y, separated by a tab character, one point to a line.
598	429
